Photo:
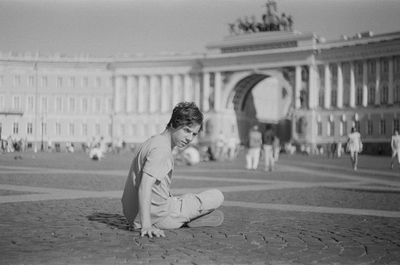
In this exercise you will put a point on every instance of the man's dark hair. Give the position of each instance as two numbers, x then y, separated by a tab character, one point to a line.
185	114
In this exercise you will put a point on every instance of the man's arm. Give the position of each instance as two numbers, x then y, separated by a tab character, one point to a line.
144	207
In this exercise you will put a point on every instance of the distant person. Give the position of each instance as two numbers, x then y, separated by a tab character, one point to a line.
395	144
276	146
268	141
354	146
220	146
232	147
147	201
253	148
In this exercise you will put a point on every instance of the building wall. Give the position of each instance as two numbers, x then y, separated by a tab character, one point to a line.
333	86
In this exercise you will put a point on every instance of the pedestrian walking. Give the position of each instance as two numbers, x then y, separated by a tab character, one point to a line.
147	201
253	148
268	140
276	148
354	146
395	144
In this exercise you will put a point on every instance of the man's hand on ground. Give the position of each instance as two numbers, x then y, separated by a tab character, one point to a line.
152	231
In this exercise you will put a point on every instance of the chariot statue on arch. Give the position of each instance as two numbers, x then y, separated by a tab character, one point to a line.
271	20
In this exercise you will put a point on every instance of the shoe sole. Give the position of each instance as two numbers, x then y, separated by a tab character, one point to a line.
215	218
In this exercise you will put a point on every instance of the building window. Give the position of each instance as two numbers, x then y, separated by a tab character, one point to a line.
84	105
371	95
333	98
44	105
319	128
359	95
29	128
396	125
44	128
357	126
385	66
58	104
44	81
58	128
31	81
110	129
30	104
97	129
382	127
122	130
109	105
134	130
71	129
97	105
84	129
85	81
330	128
396	93
98	82
344	130
370	127
15	128
384	94
72	104
17	81
59	82
16	102
321	98
371	65
396	64
72	82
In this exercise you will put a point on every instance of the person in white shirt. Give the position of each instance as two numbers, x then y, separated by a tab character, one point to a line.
395	144
354	146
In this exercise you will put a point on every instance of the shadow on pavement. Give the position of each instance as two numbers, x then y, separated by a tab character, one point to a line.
113	220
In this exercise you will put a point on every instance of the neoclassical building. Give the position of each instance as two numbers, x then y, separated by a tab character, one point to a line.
311	90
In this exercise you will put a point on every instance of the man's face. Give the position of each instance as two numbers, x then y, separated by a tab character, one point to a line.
183	135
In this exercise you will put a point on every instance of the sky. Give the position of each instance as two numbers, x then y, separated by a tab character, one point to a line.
110	27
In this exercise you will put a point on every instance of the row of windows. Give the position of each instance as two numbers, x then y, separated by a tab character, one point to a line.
359	67
71	129
60	82
369	127
60	104
371	95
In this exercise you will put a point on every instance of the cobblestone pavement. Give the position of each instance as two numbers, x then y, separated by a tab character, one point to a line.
65	209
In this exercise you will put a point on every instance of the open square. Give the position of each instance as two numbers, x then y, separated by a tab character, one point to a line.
63	208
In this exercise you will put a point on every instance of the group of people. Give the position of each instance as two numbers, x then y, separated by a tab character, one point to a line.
267	143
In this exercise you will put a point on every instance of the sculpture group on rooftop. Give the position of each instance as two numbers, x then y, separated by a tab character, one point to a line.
270	21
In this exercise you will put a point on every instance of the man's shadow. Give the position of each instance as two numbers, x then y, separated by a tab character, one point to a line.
113	220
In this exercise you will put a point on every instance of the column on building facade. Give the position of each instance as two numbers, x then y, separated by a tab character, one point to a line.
175	89
187	88
164	94
140	98
352	101
154	97
297	87
131	94
197	89
365	84
328	86
312	86
217	91
117	93
390	80
377	82
339	102
206	91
